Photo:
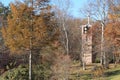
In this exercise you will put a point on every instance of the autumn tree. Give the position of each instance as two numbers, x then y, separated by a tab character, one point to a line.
30	27
112	29
17	34
112	35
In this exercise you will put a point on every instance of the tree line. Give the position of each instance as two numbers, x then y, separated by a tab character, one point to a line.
48	38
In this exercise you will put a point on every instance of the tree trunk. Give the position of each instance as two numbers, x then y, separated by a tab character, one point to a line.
30	68
30	55
102	40
66	37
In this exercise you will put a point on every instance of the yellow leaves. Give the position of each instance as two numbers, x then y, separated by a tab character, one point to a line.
19	30
3	31
14	10
17	34
112	16
114	13
112	32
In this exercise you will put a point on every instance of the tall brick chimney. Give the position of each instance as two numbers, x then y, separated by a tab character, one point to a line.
86	42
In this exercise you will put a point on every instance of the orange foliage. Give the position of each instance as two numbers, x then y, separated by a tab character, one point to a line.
20	23
112	33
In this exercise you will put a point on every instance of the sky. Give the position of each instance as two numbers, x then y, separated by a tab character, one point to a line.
75	11
77	5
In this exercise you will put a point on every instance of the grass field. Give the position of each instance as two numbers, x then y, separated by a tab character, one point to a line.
110	74
113	73
76	72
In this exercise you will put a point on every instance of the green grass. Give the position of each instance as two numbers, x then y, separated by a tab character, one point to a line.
113	74
117	77
110	74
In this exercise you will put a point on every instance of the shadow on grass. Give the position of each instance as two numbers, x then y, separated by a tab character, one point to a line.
112	73
81	76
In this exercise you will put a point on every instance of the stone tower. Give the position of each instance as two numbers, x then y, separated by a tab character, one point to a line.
86	43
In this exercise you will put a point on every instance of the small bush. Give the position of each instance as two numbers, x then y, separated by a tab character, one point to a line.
39	72
20	73
61	67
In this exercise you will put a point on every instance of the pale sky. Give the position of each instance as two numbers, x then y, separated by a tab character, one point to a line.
76	5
